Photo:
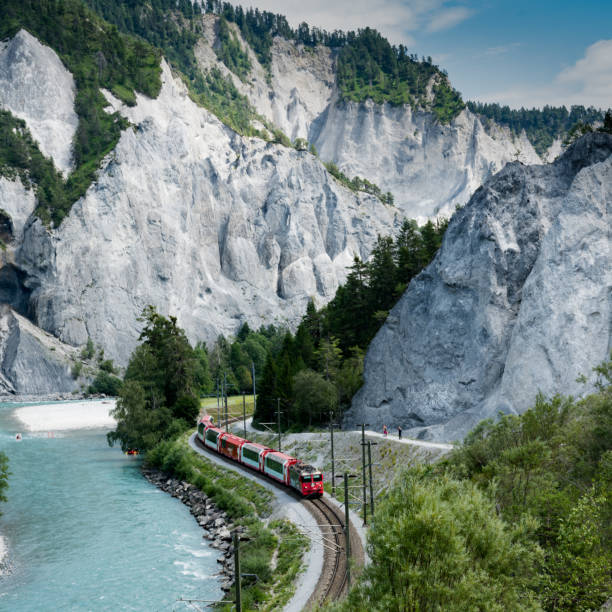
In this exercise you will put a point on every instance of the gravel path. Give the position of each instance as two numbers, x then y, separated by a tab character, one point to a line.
293	510
411	441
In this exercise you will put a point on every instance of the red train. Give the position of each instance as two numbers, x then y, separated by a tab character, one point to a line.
290	471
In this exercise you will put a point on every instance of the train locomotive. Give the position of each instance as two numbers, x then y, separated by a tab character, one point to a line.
292	472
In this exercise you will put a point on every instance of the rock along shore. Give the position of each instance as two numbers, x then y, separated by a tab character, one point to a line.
215	523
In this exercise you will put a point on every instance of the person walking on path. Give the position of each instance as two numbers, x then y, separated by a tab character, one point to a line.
399	432
385	431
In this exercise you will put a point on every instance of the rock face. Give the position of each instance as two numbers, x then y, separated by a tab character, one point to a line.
32	362
429	168
517	301
187	215
44	99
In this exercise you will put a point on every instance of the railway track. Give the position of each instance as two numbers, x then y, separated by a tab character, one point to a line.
332	583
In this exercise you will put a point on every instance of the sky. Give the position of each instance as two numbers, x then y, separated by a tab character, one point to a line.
515	52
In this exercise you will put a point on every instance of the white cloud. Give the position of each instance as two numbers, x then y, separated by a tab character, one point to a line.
448	18
395	19
587	82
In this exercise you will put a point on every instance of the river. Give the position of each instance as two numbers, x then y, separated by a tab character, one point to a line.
85	531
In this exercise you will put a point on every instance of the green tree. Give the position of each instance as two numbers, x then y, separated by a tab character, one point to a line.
160	394
438	544
579	566
315	398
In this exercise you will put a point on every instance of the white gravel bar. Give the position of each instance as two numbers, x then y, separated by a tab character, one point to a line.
67	416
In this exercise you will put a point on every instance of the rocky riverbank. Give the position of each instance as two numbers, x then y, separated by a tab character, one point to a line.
215	523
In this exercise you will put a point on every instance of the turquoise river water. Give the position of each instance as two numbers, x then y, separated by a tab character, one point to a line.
85	531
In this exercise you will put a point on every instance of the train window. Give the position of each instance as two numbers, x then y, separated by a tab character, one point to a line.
274	465
306	478
223	443
250	454
317	478
211	436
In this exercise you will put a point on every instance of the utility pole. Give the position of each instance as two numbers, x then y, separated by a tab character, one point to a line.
236	538
363	472
244	412
331	434
347	534
278	413
218	409
254	395
370	469
225	394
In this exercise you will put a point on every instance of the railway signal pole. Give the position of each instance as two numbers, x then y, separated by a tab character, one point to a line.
218	408
370	444
347	523
278	413
254	395
363	471
244	412
225	395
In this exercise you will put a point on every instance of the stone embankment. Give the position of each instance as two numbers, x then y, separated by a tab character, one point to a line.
215	523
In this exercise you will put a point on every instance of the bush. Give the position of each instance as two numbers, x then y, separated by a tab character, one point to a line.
437	544
106	384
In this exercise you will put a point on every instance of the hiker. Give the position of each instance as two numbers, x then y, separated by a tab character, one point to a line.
385	431
399	432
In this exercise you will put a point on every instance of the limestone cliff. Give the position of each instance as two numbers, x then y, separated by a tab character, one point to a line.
517	301
189	216
430	168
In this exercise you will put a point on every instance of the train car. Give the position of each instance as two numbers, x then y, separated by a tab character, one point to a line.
253	455
306	479
276	465
230	445
211	437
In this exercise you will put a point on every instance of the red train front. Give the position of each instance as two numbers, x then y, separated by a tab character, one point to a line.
306	479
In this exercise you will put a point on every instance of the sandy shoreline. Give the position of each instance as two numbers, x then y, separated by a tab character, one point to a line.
67	416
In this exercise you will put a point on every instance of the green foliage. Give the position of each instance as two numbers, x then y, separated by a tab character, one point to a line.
542	126
98	56
329	345
230	51
315	398
606	128
437	544
219	95
88	351
369	67
159	397
105	383
553	463
76	370
174	28
357	183
519	517
233	361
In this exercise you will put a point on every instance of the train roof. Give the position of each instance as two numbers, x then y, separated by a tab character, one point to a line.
230	437
305	467
257	445
281	456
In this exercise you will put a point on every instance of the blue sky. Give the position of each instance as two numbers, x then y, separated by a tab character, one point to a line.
516	52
